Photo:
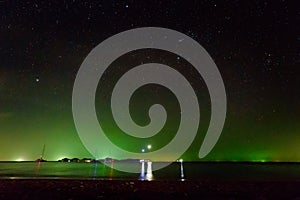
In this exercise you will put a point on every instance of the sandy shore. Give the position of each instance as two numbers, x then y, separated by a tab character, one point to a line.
121	189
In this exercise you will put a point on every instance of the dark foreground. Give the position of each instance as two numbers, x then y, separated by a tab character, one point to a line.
122	189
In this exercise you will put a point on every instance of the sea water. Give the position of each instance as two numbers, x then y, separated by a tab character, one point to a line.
192	171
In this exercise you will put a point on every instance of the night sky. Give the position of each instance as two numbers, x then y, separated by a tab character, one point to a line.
255	44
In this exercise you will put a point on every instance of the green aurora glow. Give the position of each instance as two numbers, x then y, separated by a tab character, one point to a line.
41	52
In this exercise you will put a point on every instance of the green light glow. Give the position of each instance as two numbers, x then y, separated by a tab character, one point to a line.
262	122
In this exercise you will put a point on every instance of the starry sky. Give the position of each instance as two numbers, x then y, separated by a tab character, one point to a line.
255	45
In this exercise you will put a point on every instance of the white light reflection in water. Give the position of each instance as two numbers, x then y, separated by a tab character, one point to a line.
181	169
142	176
149	175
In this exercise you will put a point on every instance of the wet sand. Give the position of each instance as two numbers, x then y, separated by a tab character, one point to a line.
126	189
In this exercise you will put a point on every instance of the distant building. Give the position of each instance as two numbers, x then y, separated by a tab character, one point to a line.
75	160
64	160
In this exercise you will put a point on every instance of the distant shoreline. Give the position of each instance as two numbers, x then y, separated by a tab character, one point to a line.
246	162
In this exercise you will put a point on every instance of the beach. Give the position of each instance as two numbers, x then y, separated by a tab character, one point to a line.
135	189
